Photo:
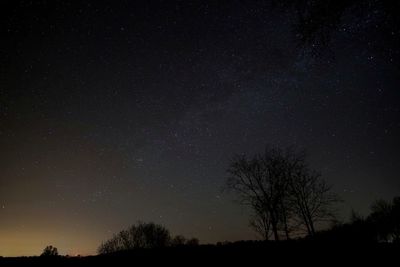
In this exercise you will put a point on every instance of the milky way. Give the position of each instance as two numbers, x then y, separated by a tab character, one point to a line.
116	112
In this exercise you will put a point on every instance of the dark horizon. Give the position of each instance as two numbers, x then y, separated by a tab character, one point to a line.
115	112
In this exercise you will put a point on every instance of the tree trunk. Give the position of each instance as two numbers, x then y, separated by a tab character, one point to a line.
311	224
305	220
286	226
274	227
287	231
276	234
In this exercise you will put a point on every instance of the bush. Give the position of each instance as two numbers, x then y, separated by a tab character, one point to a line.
49	251
142	235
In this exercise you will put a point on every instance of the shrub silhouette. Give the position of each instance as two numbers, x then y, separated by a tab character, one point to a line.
49	251
192	242
385	217
178	240
381	225
144	236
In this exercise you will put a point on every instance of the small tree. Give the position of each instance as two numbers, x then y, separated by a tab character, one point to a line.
49	251
178	240
312	198
385	217
192	242
260	182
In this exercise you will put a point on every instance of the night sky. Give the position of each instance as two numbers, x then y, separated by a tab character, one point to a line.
114	112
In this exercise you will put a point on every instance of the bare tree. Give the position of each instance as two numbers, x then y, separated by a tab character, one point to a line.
262	182
311	197
112	245
282	191
317	22
261	223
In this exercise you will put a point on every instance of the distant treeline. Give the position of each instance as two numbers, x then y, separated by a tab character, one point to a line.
288	199
381	225
144	236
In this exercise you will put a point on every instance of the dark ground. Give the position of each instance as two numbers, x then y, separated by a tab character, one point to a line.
243	253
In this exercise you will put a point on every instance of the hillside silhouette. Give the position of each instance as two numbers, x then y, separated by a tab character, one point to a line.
373	239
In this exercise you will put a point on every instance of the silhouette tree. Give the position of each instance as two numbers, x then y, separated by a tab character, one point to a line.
381	225
178	240
258	184
281	190
395	218
192	242
261	223
111	245
311	198
317	20
262	182
142	235
49	251
386	218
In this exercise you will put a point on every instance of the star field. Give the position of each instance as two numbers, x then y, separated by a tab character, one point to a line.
117	111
